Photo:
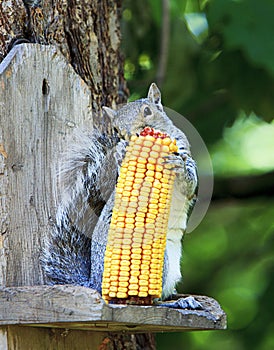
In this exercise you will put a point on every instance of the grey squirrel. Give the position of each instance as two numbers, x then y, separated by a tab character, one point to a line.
74	253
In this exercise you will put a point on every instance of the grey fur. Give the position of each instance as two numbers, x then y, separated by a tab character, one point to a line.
75	250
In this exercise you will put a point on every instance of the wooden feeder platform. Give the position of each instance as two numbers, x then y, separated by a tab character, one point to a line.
74	307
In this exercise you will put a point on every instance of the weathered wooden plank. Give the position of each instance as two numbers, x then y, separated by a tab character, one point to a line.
3	338
33	338
75	307
42	100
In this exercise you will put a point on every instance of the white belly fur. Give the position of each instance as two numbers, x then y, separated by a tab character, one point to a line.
174	252
176	227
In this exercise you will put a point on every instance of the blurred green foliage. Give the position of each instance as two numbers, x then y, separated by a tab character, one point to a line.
220	58
245	148
230	257
220	75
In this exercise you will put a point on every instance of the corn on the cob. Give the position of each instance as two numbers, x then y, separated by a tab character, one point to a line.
137	236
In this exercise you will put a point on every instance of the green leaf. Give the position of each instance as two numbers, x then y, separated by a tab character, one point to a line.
246	25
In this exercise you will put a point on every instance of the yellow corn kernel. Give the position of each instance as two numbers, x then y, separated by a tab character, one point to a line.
115	262
136	257
137	240
157	184
146	258
136	251
133	279
139	224
136	244
113	289
165	149
124	273
152	160
154	291
105	285
123	278
147	251
135	272
126	268
114	283
134	286
152	281
141	160
150	166
132	205
154	154
140	219
132	292
143	289
134	254
148	143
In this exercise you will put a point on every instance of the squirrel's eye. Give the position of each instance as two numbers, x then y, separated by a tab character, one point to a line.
147	111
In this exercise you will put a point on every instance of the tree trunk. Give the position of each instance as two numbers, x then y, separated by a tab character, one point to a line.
86	32
88	35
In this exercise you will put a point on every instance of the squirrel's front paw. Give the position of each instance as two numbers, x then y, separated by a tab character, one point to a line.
186	171
176	161
183	303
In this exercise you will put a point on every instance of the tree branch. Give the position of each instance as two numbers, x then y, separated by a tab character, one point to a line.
163	57
244	186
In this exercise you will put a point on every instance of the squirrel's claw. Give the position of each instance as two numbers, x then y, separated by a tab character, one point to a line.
176	160
185	168
183	303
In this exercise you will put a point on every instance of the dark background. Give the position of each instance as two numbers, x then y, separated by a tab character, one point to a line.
220	75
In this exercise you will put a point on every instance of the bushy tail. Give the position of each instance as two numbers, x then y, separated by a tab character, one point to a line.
88	177
66	256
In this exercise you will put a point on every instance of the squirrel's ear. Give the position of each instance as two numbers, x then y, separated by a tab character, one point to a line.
111	113
154	94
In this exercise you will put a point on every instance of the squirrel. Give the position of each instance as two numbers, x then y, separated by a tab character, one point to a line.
74	253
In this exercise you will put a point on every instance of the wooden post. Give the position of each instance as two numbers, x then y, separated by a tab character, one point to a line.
42	100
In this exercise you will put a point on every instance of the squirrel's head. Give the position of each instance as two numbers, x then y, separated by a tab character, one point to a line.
132	117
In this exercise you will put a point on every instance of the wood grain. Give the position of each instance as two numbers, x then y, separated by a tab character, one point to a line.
35	125
75	307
